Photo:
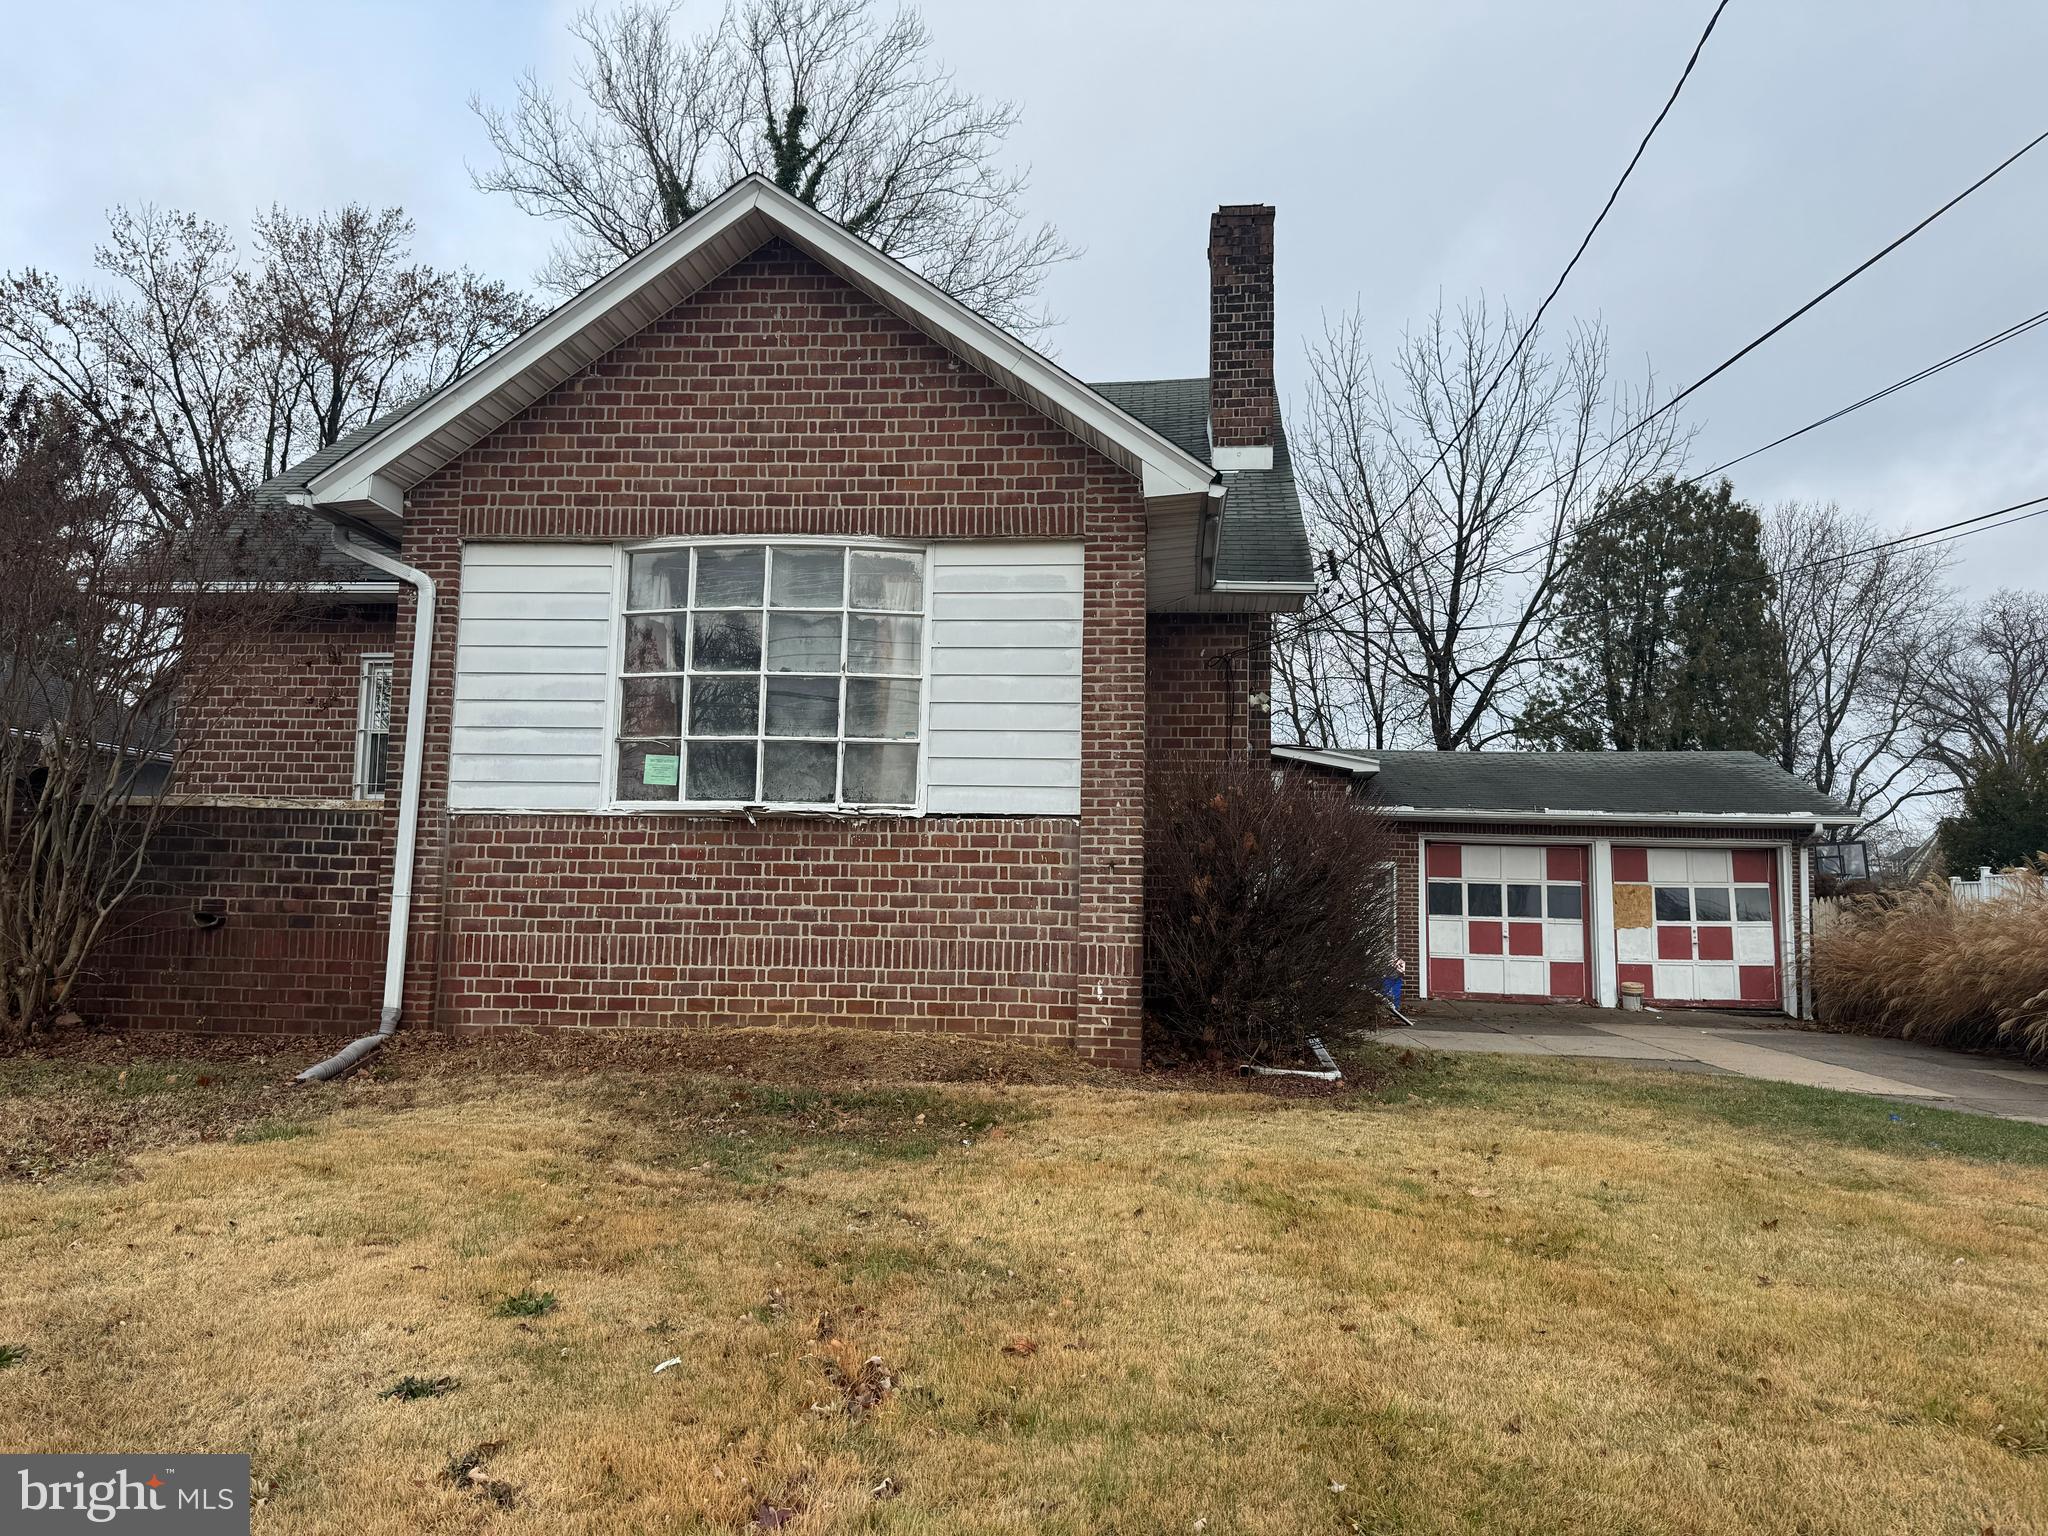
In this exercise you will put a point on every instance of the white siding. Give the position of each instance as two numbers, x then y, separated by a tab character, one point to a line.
1004	735
532	676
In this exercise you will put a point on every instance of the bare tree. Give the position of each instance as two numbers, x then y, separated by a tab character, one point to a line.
200	373
1445	495
1333	680
1855	632
342	324
1981	692
92	659
846	112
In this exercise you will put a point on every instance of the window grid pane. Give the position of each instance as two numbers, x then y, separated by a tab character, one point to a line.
848	613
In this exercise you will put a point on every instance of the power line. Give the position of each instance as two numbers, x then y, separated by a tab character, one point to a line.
1536	320
1962	528
1997	338
1713	373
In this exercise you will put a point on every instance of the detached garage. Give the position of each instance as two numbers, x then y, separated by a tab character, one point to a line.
1558	876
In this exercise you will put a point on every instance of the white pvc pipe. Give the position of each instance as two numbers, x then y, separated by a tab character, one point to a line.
421	667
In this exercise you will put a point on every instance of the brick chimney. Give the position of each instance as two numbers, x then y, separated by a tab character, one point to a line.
1243	408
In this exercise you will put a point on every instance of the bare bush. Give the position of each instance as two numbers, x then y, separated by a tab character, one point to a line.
1268	910
93	670
1923	966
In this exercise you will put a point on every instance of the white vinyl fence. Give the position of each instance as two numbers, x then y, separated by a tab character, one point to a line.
1989	886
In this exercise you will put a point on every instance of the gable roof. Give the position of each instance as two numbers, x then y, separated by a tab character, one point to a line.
364	476
1603	785
1263	542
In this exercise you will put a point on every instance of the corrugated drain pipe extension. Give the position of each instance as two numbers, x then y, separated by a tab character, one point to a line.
408	807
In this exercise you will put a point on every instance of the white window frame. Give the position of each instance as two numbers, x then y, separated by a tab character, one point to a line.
616	674
371	663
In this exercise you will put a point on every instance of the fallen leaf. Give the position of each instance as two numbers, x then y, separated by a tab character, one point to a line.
1021	1347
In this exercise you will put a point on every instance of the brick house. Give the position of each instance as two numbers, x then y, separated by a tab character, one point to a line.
1561	876
762	635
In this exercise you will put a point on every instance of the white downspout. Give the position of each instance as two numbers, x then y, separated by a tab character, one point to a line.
1805	857
421	667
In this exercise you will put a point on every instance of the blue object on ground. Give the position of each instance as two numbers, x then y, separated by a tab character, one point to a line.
1391	985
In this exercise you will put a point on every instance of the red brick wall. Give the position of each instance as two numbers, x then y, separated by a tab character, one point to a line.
780	400
285	725
301	943
1201	670
954	923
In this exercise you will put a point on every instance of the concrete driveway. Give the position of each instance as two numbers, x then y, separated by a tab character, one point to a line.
1699	1041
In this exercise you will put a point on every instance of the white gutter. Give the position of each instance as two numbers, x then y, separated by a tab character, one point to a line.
408	803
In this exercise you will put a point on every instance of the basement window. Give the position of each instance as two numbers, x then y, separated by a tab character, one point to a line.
373	727
786	676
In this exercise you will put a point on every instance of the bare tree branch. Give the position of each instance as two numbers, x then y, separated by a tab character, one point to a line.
848	113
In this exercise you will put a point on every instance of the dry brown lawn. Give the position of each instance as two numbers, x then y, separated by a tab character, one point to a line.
1490	1296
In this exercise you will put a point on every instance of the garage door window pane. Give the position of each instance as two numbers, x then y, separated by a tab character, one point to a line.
1446	899
1710	904
1565	901
1525	901
1674	904
1482	900
1752	904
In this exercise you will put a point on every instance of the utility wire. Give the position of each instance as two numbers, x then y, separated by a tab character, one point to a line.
1962	528
2011	331
1536	320
1713	373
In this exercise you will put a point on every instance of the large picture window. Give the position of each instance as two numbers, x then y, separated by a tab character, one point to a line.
783	674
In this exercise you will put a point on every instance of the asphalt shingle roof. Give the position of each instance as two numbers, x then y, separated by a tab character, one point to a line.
1263	537
1614	783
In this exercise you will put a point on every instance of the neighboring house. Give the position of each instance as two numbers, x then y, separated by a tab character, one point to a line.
1558	876
799	641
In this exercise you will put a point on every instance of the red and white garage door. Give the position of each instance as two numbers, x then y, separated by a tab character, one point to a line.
1506	920
1698	925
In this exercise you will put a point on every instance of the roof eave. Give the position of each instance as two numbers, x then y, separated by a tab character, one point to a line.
1814	819
369	483
1343	761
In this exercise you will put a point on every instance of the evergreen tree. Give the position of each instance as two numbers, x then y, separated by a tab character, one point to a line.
2004	816
1664	621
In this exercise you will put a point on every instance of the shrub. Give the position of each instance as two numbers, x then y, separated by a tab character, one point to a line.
1268	910
1921	966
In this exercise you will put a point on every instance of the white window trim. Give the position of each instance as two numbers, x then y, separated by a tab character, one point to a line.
609	801
360	783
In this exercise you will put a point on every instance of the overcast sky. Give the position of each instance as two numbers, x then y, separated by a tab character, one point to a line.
1412	150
